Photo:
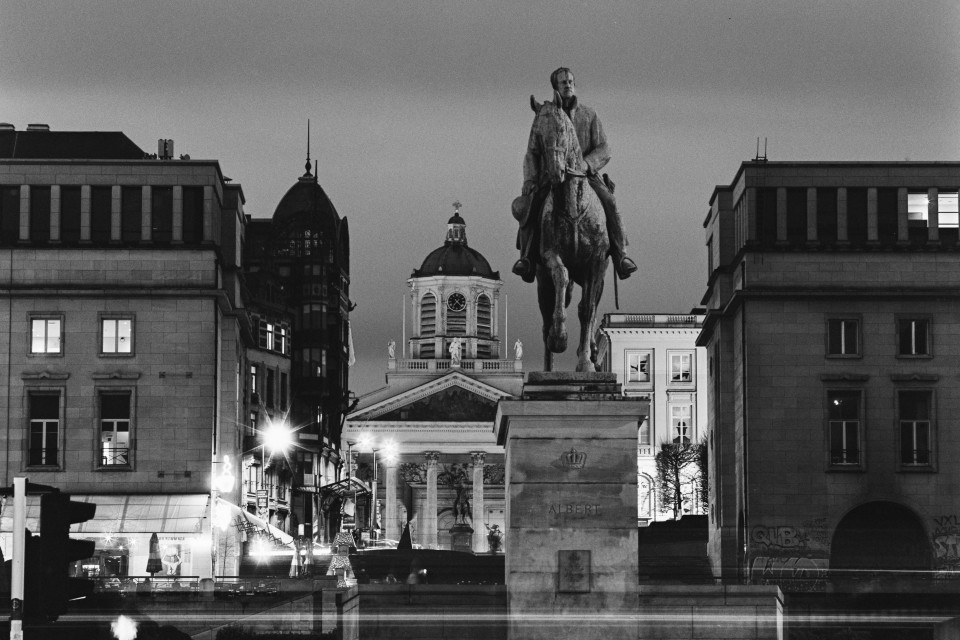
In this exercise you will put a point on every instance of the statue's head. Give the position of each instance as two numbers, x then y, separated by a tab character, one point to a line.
563	83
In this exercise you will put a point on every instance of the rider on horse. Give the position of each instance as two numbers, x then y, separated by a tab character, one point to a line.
528	207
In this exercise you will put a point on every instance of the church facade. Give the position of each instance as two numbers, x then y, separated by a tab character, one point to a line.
424	443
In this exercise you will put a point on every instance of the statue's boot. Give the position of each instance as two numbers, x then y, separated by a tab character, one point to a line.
622	265
524	267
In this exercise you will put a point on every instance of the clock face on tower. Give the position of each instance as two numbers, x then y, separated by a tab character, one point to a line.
456	302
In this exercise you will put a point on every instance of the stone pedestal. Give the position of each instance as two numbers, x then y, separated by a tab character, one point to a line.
571	530
461	538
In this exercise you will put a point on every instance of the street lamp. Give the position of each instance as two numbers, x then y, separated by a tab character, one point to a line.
278	437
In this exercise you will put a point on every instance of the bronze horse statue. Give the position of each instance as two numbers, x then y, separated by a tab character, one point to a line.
573	236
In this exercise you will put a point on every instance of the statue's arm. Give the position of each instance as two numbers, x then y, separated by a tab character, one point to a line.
531	165
599	155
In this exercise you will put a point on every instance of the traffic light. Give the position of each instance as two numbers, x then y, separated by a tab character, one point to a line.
57	551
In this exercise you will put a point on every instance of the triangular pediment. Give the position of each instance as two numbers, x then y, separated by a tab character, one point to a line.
452	398
446	405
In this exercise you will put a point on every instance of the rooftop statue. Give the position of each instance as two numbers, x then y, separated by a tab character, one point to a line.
567	230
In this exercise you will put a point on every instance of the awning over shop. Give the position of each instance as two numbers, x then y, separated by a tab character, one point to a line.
248	519
120	514
347	486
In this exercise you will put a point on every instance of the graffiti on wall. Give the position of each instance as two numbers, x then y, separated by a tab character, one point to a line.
946	542
791	574
793	557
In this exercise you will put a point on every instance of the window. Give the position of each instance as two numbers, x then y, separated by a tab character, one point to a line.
643	436
44	429
283	391
101	214
796	215
9	214
843	412
254	389
116	335
680	423
915	427
192	215
913	337
638	366
947	208
428	315
161	214
843	337
70	215
484	316
40	214
131	209
271	384
115	429
681	367
45	335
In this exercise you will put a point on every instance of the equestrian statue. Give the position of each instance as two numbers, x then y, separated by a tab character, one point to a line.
568	219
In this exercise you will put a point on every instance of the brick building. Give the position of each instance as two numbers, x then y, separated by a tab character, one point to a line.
832	324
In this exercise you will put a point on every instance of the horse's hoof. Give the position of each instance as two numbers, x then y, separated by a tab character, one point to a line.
586	367
557	343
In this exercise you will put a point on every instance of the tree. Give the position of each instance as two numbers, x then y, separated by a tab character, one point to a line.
675	476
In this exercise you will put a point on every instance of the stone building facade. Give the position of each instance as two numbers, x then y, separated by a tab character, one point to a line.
656	358
122	339
831	334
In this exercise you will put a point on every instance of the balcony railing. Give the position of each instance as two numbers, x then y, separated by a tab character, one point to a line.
115	456
475	366
845	456
651	320
42	457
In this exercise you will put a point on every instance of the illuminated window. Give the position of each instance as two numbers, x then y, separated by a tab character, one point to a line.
843	410
116	335
45	336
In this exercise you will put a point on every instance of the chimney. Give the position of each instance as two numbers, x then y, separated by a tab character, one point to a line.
165	149
38	127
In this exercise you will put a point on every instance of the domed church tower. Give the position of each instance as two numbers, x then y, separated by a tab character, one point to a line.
429	431
456	295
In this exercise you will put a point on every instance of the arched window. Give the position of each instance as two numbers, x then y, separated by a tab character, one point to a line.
428	316
647	498
484	323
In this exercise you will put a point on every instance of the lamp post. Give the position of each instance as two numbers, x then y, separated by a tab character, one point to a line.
373	503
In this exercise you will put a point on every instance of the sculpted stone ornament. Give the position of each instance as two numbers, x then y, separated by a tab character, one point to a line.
454	350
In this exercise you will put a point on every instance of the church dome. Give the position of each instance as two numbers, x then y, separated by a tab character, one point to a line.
455	258
306	198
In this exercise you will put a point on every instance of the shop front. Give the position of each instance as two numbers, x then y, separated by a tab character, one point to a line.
122	529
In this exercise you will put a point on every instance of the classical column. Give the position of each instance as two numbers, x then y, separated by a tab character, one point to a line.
24	213
208	214
392	526
781	215
428	523
873	228
933	215
479	531
55	213
146	213
812	235
843	235
903	225
115	213
177	237
85	214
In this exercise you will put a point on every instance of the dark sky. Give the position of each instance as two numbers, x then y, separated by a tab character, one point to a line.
417	104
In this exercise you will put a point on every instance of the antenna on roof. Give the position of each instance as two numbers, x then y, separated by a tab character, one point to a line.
308	164
758	157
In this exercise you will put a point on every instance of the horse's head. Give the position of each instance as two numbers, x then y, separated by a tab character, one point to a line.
559	147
